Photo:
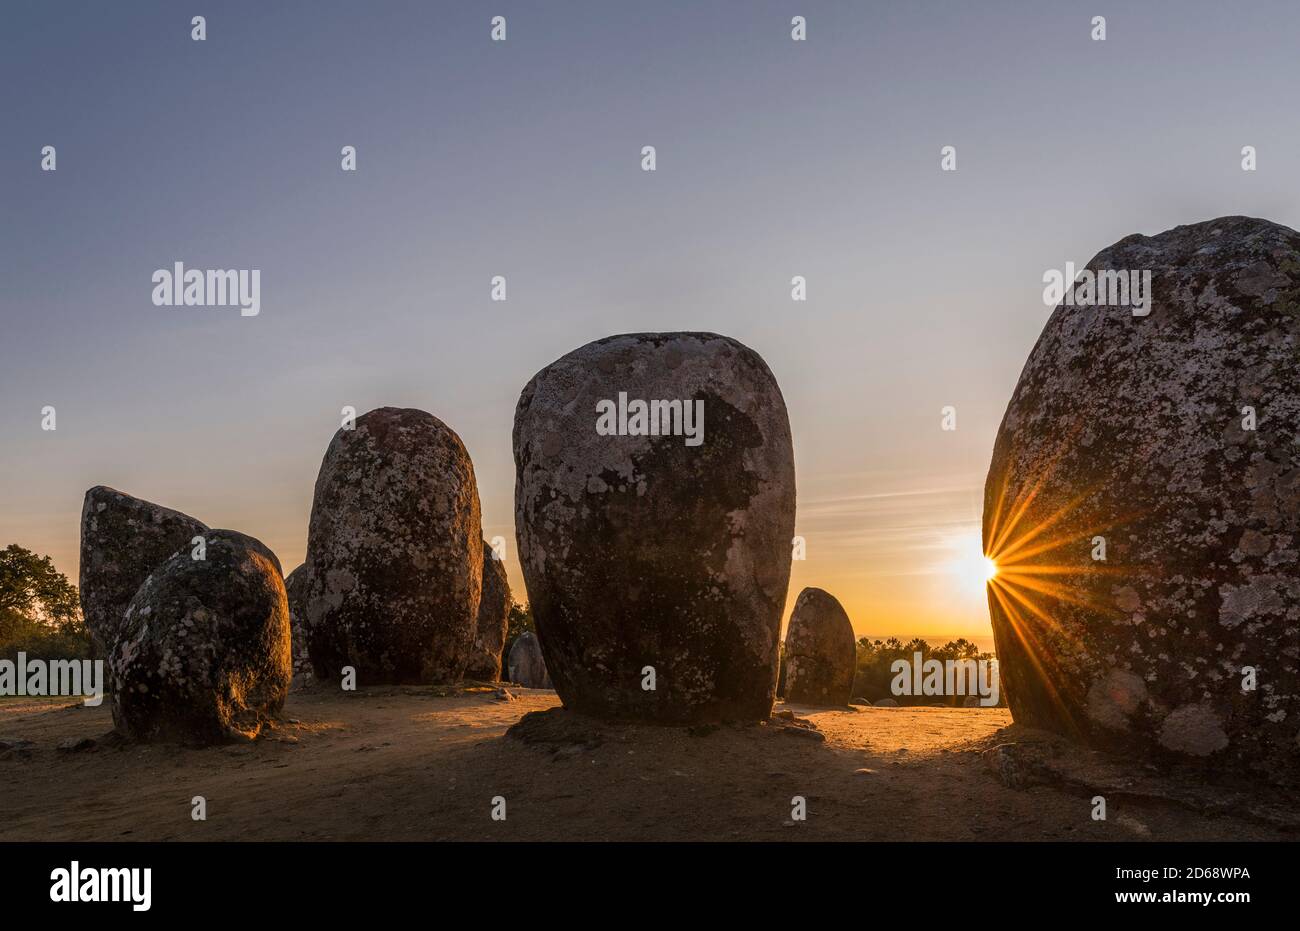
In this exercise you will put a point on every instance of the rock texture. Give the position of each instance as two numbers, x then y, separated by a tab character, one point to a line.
643	551
293	587
821	651
493	618
122	540
204	656
394	563
526	666
1133	429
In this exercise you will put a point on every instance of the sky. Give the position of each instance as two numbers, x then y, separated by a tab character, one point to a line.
522	158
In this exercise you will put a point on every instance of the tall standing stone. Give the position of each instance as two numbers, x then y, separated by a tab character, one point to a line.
394	563
493	618
123	539
1143	507
821	651
204	653
657	558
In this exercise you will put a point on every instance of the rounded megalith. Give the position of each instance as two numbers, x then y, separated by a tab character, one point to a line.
204	654
1143	504
654	506
293	587
123	539
394	552
525	665
821	651
493	618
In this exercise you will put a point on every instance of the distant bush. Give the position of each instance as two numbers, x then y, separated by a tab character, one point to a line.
875	657
41	642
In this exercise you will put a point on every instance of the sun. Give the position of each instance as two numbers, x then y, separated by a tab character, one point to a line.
969	567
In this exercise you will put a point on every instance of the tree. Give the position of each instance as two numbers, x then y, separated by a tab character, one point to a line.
519	620
917	645
40	611
960	648
31	588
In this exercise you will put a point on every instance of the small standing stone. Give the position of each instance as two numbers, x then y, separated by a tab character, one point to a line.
821	651
493	618
527	667
293	586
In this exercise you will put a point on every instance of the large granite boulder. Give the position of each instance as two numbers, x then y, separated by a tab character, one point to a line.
294	589
657	535
525	665
1172	437
821	651
204	655
493	618
123	539
394	563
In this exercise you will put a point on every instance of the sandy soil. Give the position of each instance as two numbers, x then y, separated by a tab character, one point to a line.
408	764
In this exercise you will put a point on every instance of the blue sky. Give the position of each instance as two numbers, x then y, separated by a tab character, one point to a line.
775	158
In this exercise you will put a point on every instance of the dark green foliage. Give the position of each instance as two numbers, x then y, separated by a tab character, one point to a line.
519	620
876	656
40	611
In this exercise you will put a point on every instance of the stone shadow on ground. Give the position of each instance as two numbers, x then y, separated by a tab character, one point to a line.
424	764
1021	757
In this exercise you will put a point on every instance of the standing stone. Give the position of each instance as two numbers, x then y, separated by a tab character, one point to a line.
662	556
1171	440
493	618
394	552
293	587
821	649
204	654
526	665
123	539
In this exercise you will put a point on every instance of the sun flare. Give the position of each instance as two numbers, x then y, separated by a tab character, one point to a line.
970	567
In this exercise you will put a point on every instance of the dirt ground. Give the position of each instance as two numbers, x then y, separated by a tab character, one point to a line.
410	764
